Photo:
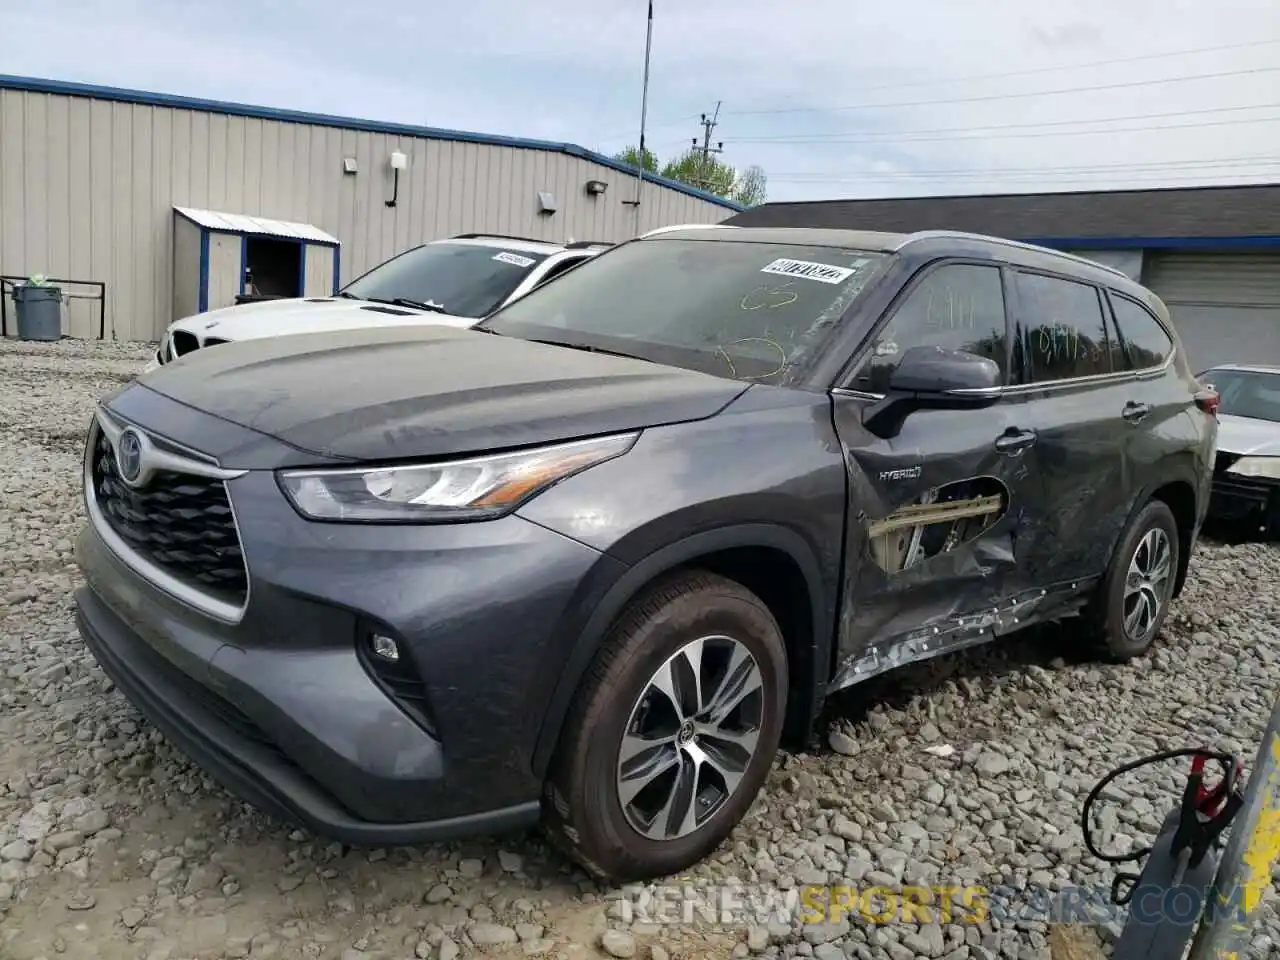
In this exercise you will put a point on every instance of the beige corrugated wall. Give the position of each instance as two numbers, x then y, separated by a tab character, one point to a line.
87	189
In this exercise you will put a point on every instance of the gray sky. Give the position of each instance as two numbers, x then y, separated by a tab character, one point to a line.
831	97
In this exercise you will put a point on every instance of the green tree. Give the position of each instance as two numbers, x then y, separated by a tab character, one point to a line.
631	157
747	187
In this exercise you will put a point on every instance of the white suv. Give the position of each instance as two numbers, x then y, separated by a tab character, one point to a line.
455	282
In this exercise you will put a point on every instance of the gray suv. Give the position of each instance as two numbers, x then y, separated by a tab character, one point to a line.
592	561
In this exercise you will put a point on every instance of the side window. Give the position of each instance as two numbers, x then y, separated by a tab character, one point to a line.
958	306
1146	343
1065	329
558	269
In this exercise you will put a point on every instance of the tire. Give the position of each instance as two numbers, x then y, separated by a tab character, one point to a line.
1120	634
583	810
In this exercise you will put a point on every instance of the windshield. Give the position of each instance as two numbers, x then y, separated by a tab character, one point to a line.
751	311
463	279
1245	393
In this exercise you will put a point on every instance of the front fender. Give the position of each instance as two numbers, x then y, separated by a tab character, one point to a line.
595	626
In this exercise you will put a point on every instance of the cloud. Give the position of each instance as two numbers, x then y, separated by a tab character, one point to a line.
1073	35
830	98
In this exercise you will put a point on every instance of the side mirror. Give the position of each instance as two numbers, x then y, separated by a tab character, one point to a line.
931	377
938	375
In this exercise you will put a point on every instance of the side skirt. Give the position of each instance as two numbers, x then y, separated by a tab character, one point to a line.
961	632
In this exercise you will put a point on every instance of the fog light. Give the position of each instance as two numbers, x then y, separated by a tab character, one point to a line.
385	647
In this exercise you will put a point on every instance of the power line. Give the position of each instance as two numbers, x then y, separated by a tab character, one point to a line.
1075	181
1018	95
1151	164
1054	69
1015	73
894	135
1023	136
1027	172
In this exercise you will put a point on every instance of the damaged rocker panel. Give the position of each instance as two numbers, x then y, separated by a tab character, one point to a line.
958	633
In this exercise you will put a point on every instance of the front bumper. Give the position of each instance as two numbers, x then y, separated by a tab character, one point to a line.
1237	499
282	709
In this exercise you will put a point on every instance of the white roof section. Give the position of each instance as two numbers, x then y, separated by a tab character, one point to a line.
504	243
256	226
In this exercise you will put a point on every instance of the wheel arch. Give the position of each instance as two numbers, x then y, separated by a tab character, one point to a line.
1177	490
772	561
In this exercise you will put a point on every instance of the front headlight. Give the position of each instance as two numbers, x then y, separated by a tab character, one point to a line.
1263	467
478	488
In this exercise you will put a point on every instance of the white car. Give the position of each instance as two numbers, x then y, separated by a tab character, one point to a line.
455	282
1246	478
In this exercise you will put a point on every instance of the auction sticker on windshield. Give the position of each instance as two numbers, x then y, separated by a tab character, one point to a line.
823	272
513	258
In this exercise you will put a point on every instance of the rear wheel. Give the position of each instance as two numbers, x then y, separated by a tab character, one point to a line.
1133	600
672	733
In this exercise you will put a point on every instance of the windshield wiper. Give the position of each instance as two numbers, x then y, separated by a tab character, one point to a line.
587	348
409	302
349	296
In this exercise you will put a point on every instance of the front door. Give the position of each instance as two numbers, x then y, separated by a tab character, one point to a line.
941	514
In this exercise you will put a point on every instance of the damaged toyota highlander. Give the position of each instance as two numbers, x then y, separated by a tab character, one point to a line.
592	562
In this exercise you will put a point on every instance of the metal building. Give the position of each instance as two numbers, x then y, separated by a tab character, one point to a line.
1211	253
151	201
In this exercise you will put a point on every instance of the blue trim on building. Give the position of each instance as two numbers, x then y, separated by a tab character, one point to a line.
244	259
1156	243
302	269
337	268
202	291
121	95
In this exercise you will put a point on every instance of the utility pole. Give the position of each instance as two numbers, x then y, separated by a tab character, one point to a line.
708	124
644	114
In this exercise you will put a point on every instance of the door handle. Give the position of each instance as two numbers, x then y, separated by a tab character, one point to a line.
1014	441
1135	412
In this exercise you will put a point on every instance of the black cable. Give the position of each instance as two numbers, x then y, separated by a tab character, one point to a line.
1227	760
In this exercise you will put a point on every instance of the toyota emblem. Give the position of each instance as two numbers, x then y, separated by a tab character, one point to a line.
129	456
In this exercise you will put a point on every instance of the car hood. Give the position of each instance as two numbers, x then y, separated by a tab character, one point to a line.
1248	437
273	318
431	391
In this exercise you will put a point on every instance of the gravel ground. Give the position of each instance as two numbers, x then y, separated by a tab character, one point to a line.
971	769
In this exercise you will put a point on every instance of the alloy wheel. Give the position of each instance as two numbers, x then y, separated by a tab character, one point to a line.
1146	585
690	737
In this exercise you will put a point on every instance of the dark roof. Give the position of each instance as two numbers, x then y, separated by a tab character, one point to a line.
120	95
839	237
1176	216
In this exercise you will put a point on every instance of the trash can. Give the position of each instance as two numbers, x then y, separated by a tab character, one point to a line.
39	312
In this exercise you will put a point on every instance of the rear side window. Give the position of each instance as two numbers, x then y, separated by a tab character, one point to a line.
1146	344
1065	330
958	306
558	269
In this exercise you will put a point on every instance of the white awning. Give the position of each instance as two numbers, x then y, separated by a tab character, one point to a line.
256	226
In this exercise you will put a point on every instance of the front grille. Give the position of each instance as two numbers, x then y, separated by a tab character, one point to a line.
181	523
184	342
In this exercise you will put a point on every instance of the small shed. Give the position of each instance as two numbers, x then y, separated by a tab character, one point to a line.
219	257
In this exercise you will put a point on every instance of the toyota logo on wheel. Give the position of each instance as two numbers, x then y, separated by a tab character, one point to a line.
129	456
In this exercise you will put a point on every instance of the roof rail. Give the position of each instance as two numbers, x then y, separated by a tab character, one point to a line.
497	236
687	226
587	244
1017	244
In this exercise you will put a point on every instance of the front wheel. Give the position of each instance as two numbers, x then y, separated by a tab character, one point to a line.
1133	600
672	733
